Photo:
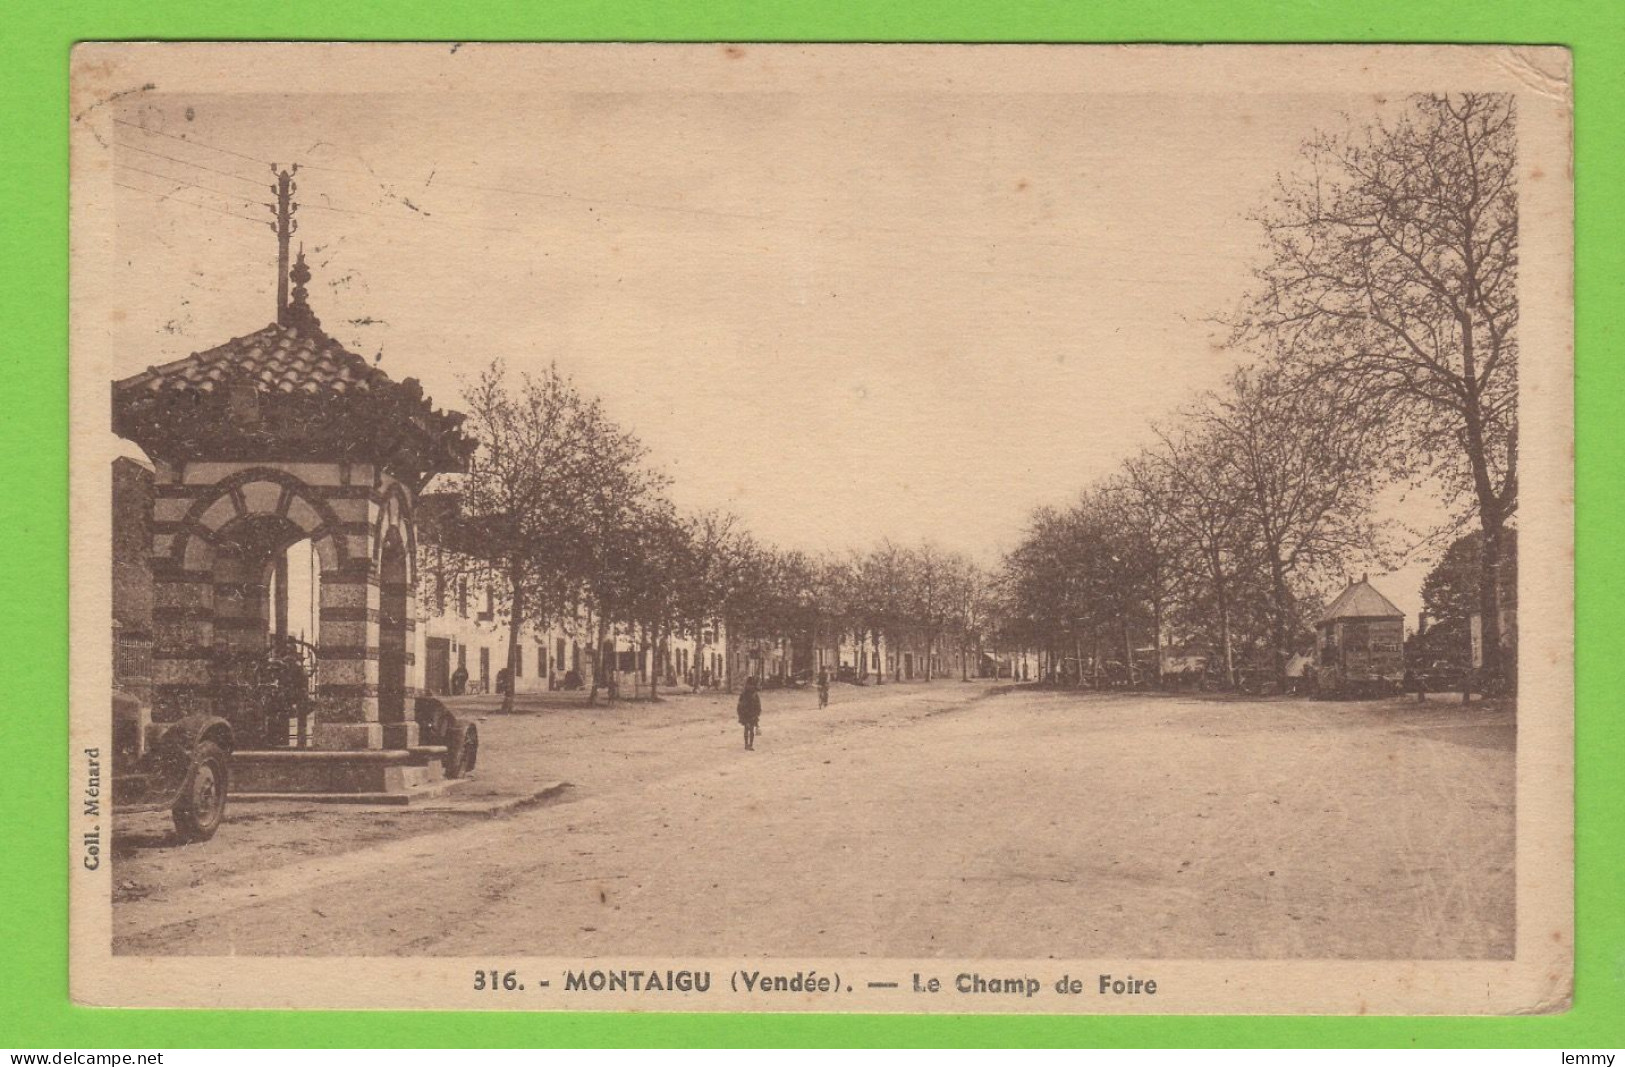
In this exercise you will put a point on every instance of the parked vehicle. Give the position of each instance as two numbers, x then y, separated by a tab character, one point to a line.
1258	682
183	767
1442	676
438	726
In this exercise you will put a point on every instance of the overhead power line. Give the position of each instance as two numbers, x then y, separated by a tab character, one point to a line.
421	217
192	203
189	163
194	185
192	141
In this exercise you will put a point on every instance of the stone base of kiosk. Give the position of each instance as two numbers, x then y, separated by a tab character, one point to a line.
362	776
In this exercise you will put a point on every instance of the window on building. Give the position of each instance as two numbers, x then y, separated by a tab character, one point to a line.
462	596
558	658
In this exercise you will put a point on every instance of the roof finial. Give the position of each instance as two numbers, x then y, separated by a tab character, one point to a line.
299	314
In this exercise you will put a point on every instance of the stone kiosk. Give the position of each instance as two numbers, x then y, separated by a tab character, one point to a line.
257	445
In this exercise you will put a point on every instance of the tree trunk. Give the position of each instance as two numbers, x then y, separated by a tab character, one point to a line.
659	664
598	657
1156	617
727	678
880	668
1128	652
699	653
1222	595
515	623
1283	610
1491	517
1489	600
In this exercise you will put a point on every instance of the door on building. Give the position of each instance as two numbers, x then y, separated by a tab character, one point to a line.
485	669
437	665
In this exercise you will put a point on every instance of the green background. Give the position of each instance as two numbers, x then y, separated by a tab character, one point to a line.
34	43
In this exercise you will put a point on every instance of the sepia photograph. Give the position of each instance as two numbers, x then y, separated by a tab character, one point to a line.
822	528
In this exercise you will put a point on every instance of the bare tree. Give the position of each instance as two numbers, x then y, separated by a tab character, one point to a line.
1186	478
715	543
881	590
617	572
659	565
1044	588
970	609
928	595
1393	265
1151	540
550	465
1301	460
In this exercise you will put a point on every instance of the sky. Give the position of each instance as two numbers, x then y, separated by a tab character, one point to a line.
844	316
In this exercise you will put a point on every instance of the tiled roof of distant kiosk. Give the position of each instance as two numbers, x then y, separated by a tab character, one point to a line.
288	391
1360	601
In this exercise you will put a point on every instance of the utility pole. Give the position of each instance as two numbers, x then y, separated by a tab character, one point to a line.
285	227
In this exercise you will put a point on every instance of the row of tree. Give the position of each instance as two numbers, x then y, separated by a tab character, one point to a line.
562	516
1220	536
1383	326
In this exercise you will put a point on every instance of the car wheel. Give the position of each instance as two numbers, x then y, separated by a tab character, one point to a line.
202	804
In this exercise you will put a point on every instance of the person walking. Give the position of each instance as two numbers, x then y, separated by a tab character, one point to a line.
823	687
750	711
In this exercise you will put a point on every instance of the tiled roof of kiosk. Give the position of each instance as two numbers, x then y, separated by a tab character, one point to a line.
277	359
1360	601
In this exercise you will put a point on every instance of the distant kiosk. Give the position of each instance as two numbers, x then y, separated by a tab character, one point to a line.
1360	643
275	441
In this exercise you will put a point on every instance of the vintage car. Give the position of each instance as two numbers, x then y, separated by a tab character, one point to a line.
438	726
183	767
1440	676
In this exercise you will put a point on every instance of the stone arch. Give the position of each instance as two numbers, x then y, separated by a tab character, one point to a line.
252	492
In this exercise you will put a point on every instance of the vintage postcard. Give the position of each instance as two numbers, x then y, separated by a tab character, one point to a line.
1034	529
